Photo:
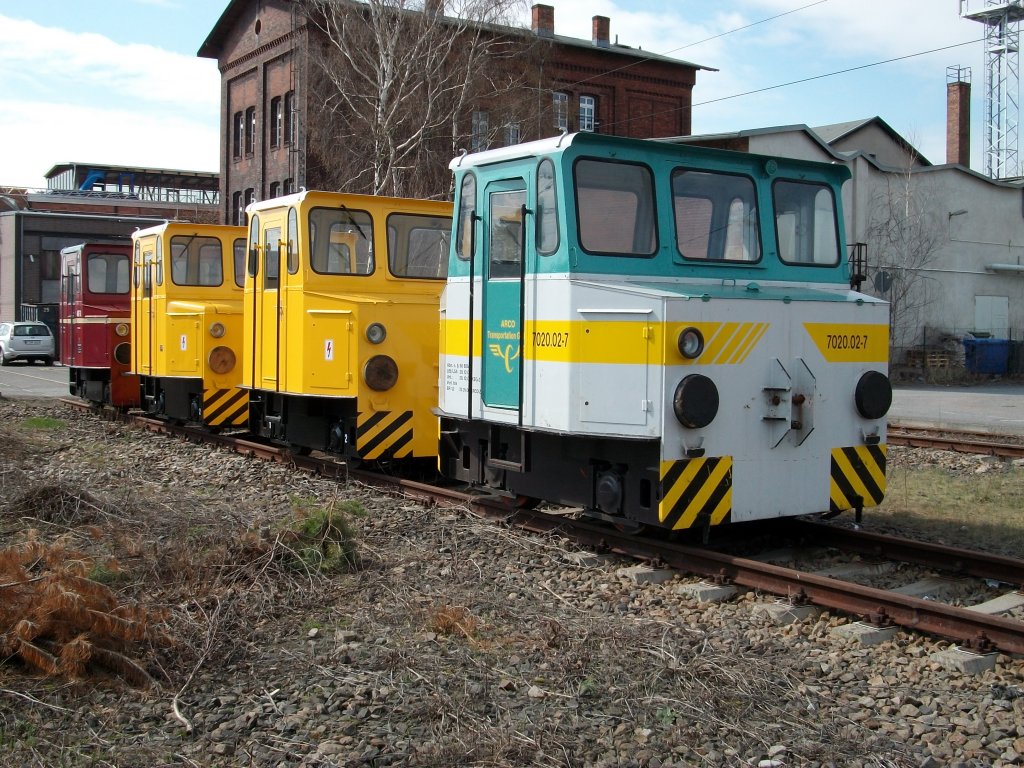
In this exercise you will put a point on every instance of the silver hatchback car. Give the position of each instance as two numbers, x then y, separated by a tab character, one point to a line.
26	341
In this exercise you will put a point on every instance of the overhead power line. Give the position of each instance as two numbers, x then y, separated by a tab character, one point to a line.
805	80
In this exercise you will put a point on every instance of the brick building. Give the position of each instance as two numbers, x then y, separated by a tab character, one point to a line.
262	49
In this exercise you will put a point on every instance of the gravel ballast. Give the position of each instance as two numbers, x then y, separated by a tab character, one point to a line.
456	641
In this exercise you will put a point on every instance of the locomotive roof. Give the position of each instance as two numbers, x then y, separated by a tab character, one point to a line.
184	227
561	143
297	197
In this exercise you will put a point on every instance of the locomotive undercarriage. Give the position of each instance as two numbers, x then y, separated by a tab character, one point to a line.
92	384
173	398
613	479
306	423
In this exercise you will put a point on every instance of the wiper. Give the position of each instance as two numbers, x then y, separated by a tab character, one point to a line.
348	215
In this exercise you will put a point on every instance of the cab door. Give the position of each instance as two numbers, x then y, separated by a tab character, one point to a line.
71	305
504	249
143	310
269	303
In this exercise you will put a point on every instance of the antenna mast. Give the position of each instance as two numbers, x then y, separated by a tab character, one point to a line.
1002	82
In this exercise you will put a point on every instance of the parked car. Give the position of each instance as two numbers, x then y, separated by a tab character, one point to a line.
26	341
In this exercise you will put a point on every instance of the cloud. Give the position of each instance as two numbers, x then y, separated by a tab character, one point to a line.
47	60
82	97
54	132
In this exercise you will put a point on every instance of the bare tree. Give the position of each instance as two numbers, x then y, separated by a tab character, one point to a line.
904	235
394	85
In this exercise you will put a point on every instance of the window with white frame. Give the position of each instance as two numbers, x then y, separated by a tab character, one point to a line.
560	105
512	134
587	113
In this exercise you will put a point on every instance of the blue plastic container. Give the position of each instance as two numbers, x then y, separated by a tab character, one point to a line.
987	355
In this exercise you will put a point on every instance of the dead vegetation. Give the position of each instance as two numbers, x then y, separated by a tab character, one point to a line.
82	565
58	621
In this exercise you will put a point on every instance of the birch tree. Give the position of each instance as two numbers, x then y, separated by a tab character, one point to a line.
394	84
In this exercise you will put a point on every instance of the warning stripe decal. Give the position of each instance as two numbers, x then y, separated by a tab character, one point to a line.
694	491
226	407
384	435
858	477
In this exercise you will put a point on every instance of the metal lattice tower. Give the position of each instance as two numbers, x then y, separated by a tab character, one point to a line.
1002	82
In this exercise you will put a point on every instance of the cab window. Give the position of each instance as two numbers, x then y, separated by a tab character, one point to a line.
615	208
107	273
196	261
466	217
805	223
716	216
239	261
341	241
418	245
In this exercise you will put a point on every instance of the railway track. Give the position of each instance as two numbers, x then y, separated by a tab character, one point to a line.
981	628
960	441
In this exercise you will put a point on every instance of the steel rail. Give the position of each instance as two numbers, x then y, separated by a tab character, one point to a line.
970	629
959	441
966	562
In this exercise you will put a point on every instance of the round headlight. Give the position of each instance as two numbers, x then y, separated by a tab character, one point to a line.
123	353
380	373
691	343
695	402
221	359
376	333
121	329
217	330
873	395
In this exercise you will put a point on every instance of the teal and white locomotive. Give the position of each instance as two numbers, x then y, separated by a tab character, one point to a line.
664	335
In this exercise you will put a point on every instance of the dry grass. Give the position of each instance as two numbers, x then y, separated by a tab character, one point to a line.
964	508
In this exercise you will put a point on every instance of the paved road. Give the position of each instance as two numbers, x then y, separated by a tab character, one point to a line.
33	380
997	407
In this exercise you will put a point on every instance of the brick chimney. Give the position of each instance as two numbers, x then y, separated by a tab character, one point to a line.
958	115
543	20
600	29
433	8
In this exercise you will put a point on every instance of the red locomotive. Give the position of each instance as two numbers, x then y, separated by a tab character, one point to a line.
95	323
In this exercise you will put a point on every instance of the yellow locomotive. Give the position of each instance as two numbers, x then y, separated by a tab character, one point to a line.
186	298
341	311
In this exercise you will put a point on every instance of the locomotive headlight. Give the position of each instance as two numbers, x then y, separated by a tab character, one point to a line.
121	329
217	330
376	333
221	359
695	402
380	373
873	395
691	343
123	353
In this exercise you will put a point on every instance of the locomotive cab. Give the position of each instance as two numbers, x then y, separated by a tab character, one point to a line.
663	335
187	322
95	323
340	309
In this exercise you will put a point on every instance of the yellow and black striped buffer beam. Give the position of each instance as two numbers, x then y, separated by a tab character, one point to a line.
695	491
226	407
384	435
858	477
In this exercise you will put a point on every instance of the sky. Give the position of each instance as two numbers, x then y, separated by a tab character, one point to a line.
119	82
